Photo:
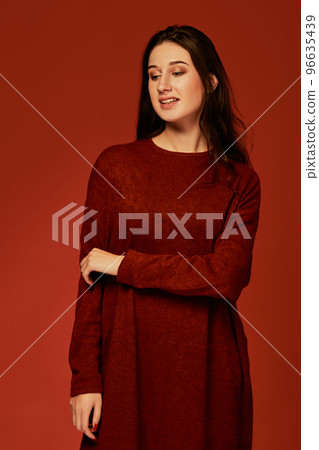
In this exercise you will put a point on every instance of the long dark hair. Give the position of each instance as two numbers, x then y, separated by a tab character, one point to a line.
218	122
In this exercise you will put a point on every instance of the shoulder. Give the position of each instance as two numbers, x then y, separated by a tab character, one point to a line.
115	156
248	187
244	178
118	153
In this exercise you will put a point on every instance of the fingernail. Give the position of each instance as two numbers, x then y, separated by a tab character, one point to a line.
95	427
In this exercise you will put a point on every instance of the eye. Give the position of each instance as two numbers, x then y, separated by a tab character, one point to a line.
154	77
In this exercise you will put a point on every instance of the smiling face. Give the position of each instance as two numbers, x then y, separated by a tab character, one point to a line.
173	74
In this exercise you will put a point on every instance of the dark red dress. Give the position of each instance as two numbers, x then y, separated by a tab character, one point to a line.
163	341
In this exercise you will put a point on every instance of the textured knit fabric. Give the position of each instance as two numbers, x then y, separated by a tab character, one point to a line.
163	341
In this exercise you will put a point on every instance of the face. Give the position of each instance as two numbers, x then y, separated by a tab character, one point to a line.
173	74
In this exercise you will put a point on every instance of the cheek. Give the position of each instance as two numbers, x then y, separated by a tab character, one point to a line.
195	91
152	93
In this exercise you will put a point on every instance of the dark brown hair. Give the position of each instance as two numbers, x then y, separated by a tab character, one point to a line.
218	122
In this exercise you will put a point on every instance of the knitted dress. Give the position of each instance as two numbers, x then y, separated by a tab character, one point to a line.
163	341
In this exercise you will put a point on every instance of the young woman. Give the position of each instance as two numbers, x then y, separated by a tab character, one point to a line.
158	352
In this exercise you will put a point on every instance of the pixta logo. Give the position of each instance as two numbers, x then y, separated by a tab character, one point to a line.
229	229
57	218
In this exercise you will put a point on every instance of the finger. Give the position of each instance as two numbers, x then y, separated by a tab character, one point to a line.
85	424
77	419
86	430
79	413
86	270
84	266
88	280
96	415
72	412
88	433
85	274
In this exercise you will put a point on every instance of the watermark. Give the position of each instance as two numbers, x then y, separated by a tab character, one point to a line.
229	229
56	219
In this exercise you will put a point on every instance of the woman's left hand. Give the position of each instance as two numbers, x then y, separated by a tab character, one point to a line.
100	261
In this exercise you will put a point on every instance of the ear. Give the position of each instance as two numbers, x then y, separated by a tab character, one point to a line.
214	81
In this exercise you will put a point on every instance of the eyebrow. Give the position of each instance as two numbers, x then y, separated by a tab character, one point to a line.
170	64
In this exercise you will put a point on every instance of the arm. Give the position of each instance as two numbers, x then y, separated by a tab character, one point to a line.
227	268
84	351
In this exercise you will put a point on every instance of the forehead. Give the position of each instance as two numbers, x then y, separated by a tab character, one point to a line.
163	53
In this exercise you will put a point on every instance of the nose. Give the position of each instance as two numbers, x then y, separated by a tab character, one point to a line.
164	83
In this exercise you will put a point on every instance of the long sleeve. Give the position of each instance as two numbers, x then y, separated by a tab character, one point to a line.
85	345
223	273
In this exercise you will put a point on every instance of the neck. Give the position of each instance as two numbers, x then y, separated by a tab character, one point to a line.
192	140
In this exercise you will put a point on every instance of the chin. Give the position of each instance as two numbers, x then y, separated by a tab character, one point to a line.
174	115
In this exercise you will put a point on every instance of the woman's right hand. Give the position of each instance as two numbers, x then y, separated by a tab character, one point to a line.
81	407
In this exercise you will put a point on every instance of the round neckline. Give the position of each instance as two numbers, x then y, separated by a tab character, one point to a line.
157	147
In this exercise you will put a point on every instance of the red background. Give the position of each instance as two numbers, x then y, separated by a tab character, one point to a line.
78	64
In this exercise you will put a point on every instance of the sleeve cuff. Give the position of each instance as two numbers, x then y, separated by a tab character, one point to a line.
126	269
85	390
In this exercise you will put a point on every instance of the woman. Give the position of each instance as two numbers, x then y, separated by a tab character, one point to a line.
158	351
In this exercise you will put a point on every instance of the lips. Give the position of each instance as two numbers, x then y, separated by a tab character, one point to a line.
162	99
169	105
